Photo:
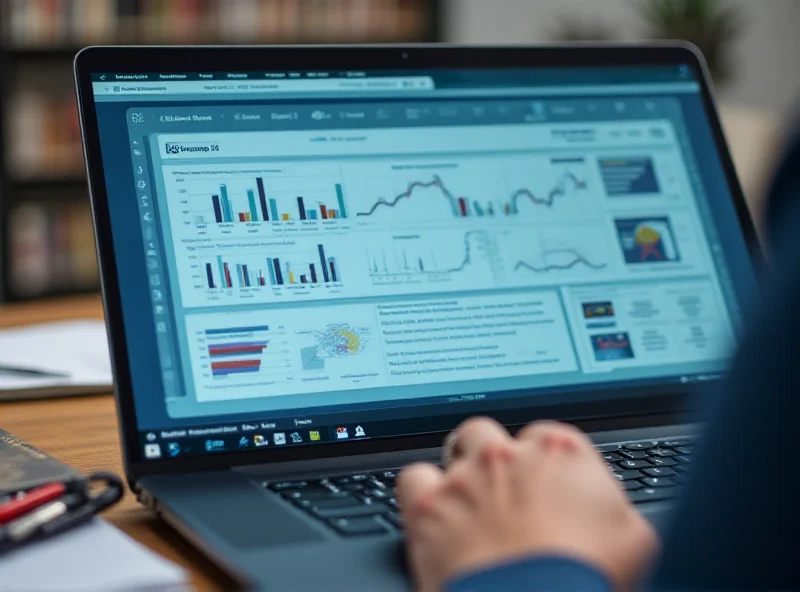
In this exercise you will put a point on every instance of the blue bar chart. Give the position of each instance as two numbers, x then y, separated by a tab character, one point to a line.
250	200
248	271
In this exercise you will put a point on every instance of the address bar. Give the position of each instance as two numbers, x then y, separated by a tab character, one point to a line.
397	83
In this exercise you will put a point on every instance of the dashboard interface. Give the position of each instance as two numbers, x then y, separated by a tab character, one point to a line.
326	256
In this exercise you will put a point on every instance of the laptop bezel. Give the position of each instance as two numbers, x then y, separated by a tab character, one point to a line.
640	407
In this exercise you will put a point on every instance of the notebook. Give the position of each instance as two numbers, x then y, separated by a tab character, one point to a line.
76	349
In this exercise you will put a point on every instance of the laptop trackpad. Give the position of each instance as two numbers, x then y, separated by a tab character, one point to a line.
226	505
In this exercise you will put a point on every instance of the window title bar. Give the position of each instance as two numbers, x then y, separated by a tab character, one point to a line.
392	84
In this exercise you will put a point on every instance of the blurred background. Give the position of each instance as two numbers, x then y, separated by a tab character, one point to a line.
46	241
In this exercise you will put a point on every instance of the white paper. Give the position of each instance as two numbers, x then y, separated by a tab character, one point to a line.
77	348
95	557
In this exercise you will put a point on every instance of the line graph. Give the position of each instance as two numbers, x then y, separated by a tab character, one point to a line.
415	258
578	251
477	188
548	199
559	260
461	207
435	182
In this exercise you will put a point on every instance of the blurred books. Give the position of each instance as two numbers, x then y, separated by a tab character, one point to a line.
52	245
45	225
44	23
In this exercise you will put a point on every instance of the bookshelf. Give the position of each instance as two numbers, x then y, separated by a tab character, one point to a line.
46	241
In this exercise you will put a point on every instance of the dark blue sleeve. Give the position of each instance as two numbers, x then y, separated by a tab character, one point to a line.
738	523
551	573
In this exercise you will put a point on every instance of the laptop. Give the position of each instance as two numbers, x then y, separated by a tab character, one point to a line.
317	261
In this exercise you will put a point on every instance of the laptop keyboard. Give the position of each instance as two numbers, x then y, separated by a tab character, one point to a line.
361	504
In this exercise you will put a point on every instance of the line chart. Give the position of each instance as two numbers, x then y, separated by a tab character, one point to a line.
559	190
574	259
423	258
461	207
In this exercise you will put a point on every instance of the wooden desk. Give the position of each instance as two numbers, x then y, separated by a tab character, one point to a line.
82	432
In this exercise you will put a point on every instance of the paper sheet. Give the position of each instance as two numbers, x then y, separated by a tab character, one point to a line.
95	557
77	348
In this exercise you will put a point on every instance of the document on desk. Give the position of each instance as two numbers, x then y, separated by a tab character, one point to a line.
54	359
95	557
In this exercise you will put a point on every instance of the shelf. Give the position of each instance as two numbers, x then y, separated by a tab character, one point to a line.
49	183
53	293
40	52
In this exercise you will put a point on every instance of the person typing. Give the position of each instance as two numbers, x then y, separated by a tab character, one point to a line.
540	511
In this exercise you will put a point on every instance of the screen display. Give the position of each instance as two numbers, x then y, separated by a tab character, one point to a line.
316	257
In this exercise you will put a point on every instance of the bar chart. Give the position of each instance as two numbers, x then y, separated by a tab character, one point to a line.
259	208
256	196
236	350
241	351
248	271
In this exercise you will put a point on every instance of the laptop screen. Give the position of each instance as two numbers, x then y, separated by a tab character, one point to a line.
317	257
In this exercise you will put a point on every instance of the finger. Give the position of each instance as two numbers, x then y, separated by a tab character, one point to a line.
416	486
472	435
553	435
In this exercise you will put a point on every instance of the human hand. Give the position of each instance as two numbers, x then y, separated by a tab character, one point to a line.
547	491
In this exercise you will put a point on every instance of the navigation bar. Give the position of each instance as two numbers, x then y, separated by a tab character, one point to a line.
325	85
411	140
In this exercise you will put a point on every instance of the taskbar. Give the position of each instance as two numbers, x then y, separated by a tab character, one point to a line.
239	437
279	433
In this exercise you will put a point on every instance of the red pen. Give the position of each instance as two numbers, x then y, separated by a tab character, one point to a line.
30	501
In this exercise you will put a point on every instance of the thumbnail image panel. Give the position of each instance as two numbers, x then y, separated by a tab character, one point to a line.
647	240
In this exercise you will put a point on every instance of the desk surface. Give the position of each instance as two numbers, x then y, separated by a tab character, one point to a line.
82	432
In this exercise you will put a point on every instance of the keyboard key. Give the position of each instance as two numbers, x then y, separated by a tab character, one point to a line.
662	462
380	494
353	487
658	481
631	485
661	452
626	475
359	510
683	459
602	448
683	450
358	526
652	494
339	481
387	477
611	457
683	468
283	485
321	504
634	454
679	479
633	464
673	443
394	518
326	483
309	493
659	472
639	445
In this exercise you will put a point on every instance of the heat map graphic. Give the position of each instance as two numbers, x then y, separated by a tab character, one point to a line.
336	340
